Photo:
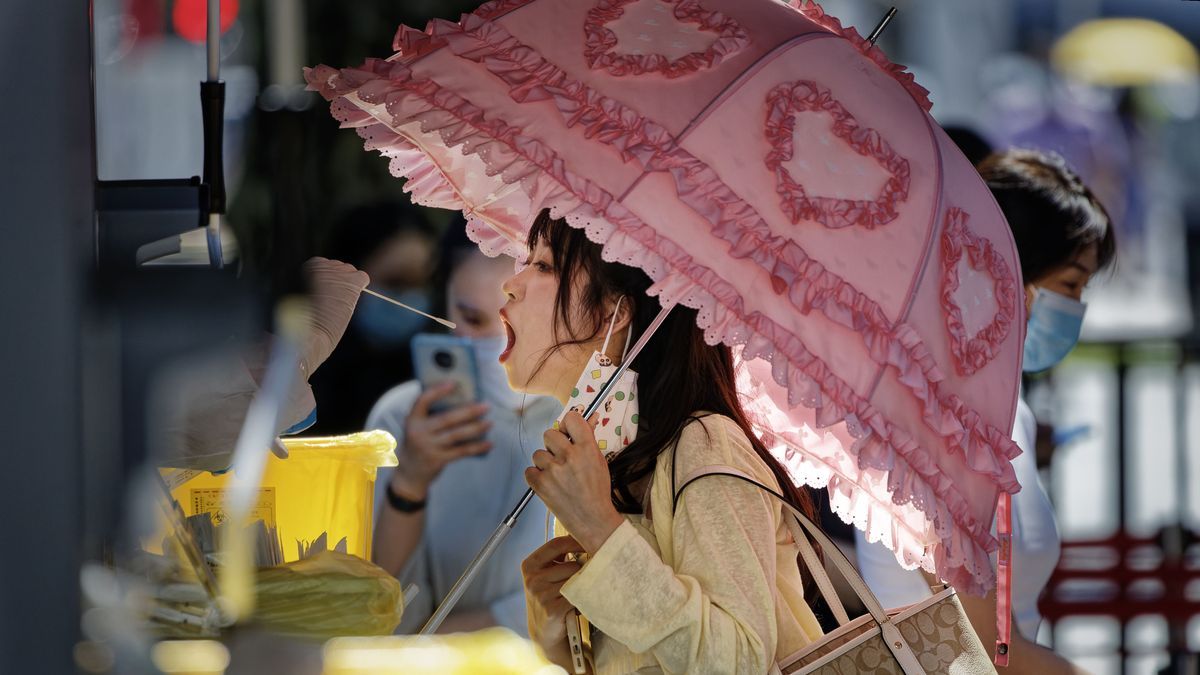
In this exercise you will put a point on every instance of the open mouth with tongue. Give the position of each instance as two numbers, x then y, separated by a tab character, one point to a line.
512	338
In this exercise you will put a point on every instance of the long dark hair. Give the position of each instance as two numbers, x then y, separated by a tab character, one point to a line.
679	374
1052	214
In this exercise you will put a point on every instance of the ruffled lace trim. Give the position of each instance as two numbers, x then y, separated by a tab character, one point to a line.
527	162
814	13
913	477
783	102
973	353
807	283
819	459
410	43
491	242
599	41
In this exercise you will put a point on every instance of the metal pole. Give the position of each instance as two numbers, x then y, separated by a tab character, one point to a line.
212	104
506	526
1122	506
1122	430
1183	433
213	40
1176	537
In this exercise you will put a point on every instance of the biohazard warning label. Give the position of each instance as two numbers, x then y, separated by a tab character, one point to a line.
212	500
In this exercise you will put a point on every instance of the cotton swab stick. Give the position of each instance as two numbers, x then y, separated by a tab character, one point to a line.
448	324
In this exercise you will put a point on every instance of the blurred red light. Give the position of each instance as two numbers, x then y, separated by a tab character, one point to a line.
190	18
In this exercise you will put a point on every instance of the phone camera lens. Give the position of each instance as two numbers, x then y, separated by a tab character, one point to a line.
444	359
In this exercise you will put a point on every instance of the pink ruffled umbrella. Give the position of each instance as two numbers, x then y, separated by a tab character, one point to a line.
773	170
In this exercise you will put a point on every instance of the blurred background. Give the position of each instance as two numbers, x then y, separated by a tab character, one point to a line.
1120	443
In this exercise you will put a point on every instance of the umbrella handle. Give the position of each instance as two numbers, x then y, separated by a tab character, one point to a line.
506	526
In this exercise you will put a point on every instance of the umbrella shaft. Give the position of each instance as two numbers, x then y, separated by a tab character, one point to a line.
456	592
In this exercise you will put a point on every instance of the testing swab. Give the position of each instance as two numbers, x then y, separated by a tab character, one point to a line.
448	324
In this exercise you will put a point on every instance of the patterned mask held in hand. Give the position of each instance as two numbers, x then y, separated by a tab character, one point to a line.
617	417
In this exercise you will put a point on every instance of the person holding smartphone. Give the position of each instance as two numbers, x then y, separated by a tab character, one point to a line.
461	466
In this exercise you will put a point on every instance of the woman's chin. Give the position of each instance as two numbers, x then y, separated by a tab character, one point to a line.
515	381
520	383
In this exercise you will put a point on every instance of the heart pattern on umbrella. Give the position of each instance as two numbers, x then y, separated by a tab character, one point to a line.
785	104
671	37
974	351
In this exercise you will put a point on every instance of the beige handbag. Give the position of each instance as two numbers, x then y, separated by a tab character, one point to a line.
930	637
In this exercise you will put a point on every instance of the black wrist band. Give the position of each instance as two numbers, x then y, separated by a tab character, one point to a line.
402	504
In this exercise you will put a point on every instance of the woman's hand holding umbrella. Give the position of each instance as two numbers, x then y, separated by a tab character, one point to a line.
571	476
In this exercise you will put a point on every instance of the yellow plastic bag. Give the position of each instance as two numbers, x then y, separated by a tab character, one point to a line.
327	595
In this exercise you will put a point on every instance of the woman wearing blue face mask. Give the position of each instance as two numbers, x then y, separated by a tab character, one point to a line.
1064	237
460	469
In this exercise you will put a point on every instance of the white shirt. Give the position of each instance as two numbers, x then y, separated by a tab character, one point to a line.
466	502
1036	545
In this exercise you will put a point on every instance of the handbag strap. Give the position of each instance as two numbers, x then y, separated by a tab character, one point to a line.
813	562
892	638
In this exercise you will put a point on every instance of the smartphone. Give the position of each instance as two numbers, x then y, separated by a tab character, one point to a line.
579	639
439	358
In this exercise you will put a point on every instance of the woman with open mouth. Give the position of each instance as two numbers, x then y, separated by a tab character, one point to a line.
708	583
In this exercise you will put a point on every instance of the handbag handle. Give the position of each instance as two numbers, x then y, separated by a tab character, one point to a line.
892	638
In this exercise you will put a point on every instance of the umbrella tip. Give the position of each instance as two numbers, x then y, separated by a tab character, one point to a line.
883	23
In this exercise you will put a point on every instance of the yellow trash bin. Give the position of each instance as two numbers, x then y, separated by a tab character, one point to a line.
326	485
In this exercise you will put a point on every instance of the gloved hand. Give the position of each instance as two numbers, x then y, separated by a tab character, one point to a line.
206	408
334	291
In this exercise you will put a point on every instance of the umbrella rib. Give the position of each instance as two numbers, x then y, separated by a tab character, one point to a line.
919	277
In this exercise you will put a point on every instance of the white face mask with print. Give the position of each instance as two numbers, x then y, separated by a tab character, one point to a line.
617	418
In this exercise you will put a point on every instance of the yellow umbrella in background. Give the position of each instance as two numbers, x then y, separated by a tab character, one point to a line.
1125	53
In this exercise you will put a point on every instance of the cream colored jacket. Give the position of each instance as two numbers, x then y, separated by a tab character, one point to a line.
710	586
